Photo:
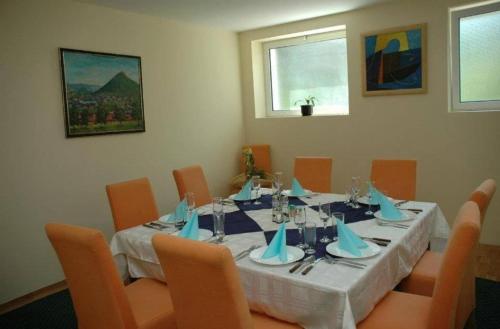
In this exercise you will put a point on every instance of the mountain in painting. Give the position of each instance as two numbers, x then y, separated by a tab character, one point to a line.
120	85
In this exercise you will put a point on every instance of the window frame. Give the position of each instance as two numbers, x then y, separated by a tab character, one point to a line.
339	32
455	15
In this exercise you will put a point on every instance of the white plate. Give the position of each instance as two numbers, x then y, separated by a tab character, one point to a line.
407	215
289	193
334	249
253	194
165	219
202	234
293	255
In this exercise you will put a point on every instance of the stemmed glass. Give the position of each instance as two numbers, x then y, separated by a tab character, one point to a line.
256	188
190	200
324	215
356	187
276	186
299	218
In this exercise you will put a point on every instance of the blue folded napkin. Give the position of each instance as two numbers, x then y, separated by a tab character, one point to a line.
348	240
191	229
245	193
297	189
373	193
388	209
277	246
180	212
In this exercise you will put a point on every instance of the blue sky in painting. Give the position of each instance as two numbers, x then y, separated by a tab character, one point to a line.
97	69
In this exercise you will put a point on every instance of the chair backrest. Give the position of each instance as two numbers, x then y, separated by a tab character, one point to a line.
456	259
397	177
204	284
132	203
261	157
483	194
98	294
314	173
192	179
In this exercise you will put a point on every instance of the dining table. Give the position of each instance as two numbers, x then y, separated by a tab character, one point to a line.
331	294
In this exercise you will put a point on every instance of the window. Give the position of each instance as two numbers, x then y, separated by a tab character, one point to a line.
309	65
475	58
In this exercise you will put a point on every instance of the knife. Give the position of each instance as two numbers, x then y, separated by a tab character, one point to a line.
299	264
310	266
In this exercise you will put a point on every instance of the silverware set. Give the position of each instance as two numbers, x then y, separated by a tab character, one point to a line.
307	264
157	226
346	262
397	225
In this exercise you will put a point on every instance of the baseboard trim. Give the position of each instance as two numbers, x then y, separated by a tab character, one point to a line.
32	296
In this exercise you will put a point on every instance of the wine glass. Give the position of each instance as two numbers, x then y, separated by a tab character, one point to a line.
256	188
356	188
218	217
276	185
324	215
299	218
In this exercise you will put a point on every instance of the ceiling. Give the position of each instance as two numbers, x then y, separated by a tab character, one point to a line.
236	15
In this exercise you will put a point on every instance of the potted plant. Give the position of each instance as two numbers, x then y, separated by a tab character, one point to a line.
307	108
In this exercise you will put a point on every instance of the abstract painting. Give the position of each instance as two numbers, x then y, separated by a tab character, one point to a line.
395	61
102	93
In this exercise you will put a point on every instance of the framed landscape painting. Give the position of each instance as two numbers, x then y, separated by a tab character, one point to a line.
102	93
395	61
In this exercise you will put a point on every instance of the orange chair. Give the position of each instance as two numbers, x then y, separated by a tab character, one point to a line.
132	203
398	178
314	173
261	157
205	286
192	179
422	279
402	310
99	297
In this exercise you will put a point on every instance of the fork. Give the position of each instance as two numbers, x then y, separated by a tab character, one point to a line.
330	260
245	252
397	225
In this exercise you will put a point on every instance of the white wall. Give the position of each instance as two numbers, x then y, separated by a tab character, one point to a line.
455	151
191	92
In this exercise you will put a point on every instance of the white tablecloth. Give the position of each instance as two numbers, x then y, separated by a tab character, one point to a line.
330	296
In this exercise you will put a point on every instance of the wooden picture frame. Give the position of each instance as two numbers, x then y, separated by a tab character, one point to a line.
394	61
102	93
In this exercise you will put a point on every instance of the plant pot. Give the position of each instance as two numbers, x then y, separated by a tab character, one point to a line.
306	110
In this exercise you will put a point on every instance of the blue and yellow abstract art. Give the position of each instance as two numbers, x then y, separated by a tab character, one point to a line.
395	61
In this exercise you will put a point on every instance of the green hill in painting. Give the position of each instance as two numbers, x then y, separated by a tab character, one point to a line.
120	85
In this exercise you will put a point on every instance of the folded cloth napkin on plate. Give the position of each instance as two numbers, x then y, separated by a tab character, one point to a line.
297	189
388	209
180	212
348	240
245	193
277	246
191	229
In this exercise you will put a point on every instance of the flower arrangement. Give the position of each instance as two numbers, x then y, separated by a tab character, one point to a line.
250	169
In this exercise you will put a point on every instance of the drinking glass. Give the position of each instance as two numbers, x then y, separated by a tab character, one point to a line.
256	188
355	187
338	216
276	209
276	186
310	238
369	198
348	192
189	197
217	205
285	217
219	219
299	218
324	215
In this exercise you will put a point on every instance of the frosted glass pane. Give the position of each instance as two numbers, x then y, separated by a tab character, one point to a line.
480	57
316	69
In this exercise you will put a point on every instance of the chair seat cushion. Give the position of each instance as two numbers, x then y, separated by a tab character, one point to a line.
398	310
262	321
422	278
151	304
